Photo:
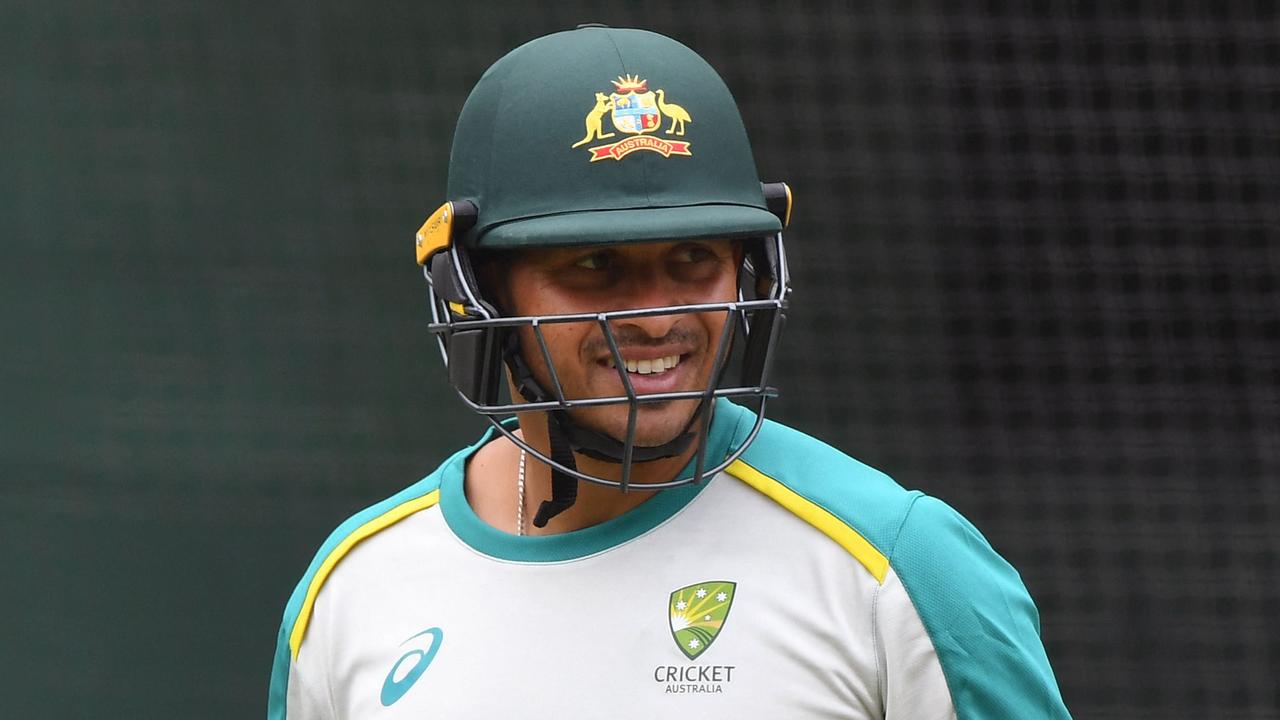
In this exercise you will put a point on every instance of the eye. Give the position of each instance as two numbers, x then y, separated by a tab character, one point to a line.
694	253
595	261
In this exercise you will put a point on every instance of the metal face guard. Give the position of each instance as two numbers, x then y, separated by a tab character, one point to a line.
469	333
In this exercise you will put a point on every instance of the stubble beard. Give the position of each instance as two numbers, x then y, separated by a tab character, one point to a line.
657	423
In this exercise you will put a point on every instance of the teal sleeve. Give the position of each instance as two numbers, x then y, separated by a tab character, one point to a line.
282	665
278	696
982	622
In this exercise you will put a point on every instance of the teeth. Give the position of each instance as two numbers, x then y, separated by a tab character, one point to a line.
649	367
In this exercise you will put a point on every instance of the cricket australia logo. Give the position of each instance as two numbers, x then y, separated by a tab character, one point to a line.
698	613
635	111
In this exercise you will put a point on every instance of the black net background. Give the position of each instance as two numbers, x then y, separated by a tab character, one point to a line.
1036	275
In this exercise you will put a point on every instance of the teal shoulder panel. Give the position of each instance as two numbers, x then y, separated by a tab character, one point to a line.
278	693
862	497
979	615
973	604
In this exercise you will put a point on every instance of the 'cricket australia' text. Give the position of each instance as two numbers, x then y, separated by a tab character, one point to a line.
693	678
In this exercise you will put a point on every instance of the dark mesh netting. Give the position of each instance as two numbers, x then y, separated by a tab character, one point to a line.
1035	259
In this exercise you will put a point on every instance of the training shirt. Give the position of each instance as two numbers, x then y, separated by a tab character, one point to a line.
798	583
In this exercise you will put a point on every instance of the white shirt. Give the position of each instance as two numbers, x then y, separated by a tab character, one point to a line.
770	591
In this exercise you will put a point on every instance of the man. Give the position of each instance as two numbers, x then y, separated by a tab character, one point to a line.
634	543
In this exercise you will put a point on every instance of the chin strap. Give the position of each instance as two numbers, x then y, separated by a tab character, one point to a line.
567	437
564	487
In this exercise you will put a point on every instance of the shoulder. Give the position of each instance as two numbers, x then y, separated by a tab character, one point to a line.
972	603
853	503
909	529
360	528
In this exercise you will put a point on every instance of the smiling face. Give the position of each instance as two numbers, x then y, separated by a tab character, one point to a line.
663	353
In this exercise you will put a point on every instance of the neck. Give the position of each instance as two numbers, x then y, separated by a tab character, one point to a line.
491	483
596	503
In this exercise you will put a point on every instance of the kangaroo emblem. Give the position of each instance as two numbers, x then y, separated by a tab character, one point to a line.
595	120
637	115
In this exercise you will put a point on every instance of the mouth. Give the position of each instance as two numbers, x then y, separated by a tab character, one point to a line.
648	366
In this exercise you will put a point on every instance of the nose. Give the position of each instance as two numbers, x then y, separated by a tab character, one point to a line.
653	326
649	287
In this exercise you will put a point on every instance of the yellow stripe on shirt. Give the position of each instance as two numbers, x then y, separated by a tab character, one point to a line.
830	525
377	524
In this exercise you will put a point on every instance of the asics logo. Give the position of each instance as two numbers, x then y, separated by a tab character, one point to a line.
410	667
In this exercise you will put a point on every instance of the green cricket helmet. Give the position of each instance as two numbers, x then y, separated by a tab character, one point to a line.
598	136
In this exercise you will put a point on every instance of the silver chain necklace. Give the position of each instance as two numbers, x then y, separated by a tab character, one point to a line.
520	494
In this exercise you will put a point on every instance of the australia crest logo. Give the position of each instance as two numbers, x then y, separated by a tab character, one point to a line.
640	114
697	614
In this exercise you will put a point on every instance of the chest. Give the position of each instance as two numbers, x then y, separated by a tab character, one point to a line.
751	624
